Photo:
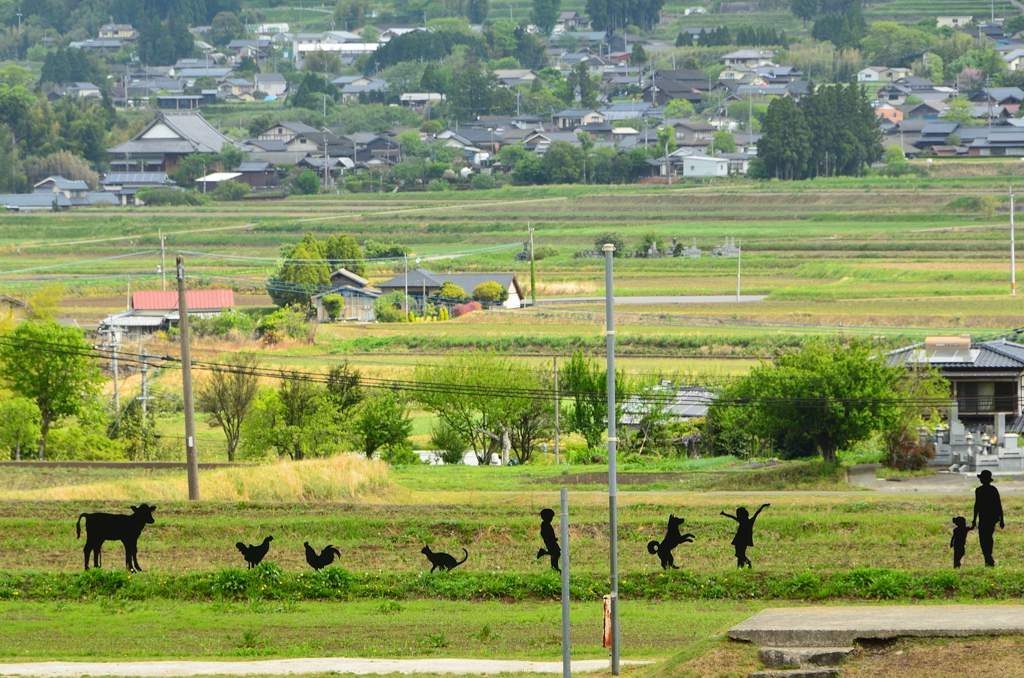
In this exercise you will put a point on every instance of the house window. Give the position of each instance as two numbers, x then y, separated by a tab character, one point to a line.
987	396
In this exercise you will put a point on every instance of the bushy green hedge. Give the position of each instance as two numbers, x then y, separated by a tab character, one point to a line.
268	581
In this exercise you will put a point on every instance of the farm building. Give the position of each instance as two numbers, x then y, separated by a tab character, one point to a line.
422	282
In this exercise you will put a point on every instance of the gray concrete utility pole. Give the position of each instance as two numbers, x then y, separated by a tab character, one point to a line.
613	491
191	458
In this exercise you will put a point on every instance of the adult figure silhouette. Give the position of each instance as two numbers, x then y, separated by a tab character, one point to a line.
988	510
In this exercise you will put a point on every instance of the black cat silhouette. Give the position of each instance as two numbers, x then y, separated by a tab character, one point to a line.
444	561
672	539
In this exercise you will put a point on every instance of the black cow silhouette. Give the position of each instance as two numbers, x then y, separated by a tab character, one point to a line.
445	561
254	553
547	535
672	539
325	558
101	527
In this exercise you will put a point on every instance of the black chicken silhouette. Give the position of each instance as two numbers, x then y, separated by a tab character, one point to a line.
254	553
326	557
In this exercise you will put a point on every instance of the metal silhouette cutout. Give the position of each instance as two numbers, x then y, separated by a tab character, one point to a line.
254	553
672	539
988	510
323	559
547	535
959	540
101	527
744	533
444	561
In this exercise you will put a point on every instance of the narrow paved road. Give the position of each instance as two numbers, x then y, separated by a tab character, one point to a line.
277	667
711	299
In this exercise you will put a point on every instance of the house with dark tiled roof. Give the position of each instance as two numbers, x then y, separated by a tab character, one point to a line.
168	138
421	281
985	377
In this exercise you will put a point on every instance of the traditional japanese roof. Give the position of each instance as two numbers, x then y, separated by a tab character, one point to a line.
175	133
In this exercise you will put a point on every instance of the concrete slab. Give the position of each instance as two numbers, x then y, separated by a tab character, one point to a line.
293	666
838	626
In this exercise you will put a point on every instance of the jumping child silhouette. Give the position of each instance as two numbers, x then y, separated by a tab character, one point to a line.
744	533
959	541
547	535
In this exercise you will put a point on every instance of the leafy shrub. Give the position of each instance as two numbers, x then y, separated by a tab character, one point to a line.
354	187
388	309
482	182
438	185
98	581
77	444
450	290
230	190
289	321
221	325
307	183
490	292
965	203
544	251
167	196
463	309
450	443
332	304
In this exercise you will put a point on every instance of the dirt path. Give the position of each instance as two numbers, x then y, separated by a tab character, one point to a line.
292	666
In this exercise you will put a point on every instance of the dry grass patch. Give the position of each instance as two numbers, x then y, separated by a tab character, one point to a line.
339	478
940	658
566	288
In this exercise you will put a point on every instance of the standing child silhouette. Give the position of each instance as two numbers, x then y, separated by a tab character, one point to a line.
547	535
744	533
959	541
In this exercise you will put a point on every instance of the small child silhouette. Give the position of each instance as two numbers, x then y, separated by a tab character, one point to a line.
959	541
547	535
744	532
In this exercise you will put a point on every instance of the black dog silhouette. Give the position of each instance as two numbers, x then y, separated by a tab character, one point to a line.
254	553
547	535
672	539
326	557
101	527
444	561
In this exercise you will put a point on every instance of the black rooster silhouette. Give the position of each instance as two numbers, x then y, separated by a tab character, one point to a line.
253	553
326	557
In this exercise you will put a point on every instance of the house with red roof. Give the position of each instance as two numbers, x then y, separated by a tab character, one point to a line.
155	310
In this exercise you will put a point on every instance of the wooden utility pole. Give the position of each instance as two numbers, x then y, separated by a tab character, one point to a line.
554	360
191	458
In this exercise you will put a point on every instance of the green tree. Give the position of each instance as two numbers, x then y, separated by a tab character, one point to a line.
21	419
545	15
224	28
724	142
476	10
230	157
613	238
303	272
308	182
787	140
383	423
135	431
579	81
960	110
637	57
563	163
833	396
588	383
490	293
678	108
477	395
52	366
226	395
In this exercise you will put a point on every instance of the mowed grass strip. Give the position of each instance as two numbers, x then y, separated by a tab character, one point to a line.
116	629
